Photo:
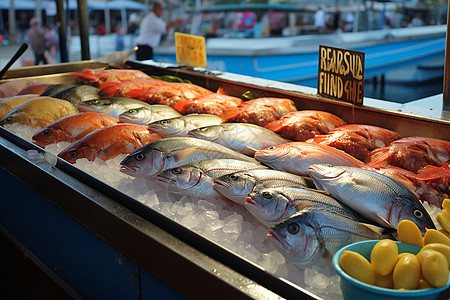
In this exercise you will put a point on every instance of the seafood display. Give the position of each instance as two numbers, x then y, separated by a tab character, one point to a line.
308	179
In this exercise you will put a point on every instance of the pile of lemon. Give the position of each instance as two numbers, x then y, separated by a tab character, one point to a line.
389	269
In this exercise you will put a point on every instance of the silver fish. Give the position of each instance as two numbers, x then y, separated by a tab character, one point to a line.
272	205
167	153
180	126
196	179
243	137
313	235
78	93
147	114
236	186
113	106
375	196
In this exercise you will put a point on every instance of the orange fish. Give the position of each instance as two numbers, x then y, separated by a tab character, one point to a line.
97	77
412	153
39	112
214	104
11	88
109	142
169	94
35	88
72	128
7	104
357	139
260	111
121	88
296	157
305	124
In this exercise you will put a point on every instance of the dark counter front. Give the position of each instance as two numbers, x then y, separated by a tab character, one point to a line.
94	247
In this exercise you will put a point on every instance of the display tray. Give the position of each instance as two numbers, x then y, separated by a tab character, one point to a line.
236	85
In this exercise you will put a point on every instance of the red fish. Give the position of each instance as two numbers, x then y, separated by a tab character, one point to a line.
97	77
35	88
412	153
169	94
260	111
109	142
305	124
214	104
438	177
357	139
72	128
11	88
121	88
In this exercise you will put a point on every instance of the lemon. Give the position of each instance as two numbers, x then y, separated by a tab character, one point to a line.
357	266
434	267
407	272
409	233
384	256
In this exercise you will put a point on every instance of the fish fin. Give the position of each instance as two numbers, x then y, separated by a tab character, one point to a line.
382	221
275	126
375	228
181	106
221	91
231	114
140	94
87	73
110	89
303	204
184	153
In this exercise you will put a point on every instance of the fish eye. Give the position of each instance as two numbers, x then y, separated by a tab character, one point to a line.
47	132
94	102
267	195
132	111
293	228
140	156
417	213
234	177
271	147
176	170
73	154
164	122
203	129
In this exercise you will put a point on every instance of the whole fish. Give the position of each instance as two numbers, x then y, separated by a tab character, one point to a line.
97	77
113	107
173	152
296	157
122	87
243	137
11	88
375	196
180	126
7	104
357	140
272	205
108	142
77	93
72	128
39	112
236	186
313	235
147	114
54	88
412	153
35	88
305	124
196	179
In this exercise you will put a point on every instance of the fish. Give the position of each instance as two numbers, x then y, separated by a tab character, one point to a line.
35	88
39	112
214	104
305	124
97	77
148	114
108	142
375	196
54	88
172	152
7	104
72	128
168	94
243	137
196	179
296	157
272	205
313	235
357	140
260	111
180	126
13	87
236	186
114	106
439	178
121	88
77	93
412	153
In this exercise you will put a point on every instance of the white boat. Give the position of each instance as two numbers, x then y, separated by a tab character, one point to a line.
294	58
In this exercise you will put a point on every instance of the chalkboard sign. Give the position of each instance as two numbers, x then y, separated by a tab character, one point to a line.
341	74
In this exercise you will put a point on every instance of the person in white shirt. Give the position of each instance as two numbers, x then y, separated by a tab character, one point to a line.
150	32
319	20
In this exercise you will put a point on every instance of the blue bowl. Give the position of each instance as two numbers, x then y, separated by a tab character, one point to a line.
355	289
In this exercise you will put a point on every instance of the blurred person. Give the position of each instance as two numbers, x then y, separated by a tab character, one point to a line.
133	24
51	45
277	22
319	20
36	38
120	41
151	30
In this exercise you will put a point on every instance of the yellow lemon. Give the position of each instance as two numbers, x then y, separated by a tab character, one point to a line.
357	266
409	233
407	272
384	256
434	267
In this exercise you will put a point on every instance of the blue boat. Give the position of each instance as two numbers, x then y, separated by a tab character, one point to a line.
293	58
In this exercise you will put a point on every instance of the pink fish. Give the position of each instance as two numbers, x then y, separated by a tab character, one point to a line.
97	77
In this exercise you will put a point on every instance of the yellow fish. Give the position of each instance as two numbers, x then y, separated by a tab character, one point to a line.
39	112
7	104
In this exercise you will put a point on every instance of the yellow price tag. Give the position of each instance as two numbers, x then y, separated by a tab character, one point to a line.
190	49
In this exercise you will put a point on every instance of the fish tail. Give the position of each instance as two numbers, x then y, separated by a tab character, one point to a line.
140	94
275	126
221	91
88	74
231	114
110	89
181	106
378	157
